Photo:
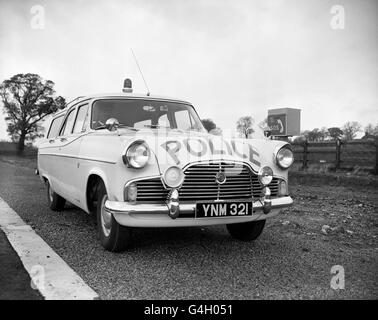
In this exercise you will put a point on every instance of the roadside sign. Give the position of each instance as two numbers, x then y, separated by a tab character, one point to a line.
284	121
277	124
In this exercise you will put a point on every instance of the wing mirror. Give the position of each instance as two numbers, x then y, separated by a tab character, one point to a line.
112	124
267	133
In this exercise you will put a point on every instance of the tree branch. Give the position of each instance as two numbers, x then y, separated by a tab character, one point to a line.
39	119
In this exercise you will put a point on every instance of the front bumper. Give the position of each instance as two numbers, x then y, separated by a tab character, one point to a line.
156	215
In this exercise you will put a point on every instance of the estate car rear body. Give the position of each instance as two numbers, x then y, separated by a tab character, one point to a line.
191	178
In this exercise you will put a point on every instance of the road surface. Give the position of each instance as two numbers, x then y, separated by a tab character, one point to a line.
291	260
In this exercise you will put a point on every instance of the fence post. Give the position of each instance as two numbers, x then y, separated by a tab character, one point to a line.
338	154
305	152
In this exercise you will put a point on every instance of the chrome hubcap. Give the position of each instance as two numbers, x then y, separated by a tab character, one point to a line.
106	217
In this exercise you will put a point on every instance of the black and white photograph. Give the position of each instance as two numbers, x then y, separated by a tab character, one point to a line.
207	152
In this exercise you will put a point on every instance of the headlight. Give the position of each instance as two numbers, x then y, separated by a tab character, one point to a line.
285	158
265	175
137	155
173	177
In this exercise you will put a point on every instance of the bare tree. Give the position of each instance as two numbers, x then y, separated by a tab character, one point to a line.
324	134
27	100
371	130
350	129
244	126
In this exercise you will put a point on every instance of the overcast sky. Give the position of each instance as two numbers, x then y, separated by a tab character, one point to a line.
229	58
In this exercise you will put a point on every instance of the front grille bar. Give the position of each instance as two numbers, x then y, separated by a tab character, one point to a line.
199	184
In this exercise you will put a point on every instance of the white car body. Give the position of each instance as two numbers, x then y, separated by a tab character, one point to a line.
69	162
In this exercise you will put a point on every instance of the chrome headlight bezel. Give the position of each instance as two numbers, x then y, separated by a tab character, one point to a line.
137	155
280	157
178	181
265	175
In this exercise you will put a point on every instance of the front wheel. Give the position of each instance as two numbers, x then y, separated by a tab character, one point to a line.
113	236
54	200
246	231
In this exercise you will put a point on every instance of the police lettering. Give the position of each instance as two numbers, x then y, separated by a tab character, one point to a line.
200	147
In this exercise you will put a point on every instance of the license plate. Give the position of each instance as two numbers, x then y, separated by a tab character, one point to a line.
223	209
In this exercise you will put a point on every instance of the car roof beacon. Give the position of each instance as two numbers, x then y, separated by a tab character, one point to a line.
127	86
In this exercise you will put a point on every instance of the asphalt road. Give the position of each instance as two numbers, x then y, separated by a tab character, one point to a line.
291	260
15	282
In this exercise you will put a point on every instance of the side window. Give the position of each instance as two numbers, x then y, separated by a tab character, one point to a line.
67	127
80	119
183	120
54	127
163	121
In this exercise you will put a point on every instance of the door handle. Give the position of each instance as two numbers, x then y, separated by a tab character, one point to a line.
51	140
63	139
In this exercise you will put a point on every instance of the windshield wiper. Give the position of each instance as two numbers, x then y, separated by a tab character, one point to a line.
155	126
122	126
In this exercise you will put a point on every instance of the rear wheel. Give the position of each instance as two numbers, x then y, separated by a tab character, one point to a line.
113	236
54	200
246	231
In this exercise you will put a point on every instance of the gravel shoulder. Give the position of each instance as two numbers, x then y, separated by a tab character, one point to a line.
291	260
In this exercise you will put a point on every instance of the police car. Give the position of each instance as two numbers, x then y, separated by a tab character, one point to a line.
136	160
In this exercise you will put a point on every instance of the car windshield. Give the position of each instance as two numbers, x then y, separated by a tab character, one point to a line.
145	114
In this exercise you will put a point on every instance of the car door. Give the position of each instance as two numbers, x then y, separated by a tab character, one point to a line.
48	150
77	181
67	146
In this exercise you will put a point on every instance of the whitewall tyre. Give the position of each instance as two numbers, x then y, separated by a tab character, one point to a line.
55	201
113	236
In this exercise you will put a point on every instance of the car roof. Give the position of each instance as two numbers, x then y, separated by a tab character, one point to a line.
80	99
126	95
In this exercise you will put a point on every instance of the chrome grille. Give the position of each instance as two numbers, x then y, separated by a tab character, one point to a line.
200	184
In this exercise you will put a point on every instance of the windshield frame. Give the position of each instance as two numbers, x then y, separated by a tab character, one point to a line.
187	104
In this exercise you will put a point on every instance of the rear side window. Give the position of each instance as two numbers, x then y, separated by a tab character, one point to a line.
80	119
67	127
54	127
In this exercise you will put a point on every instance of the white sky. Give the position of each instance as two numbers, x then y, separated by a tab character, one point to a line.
229	58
